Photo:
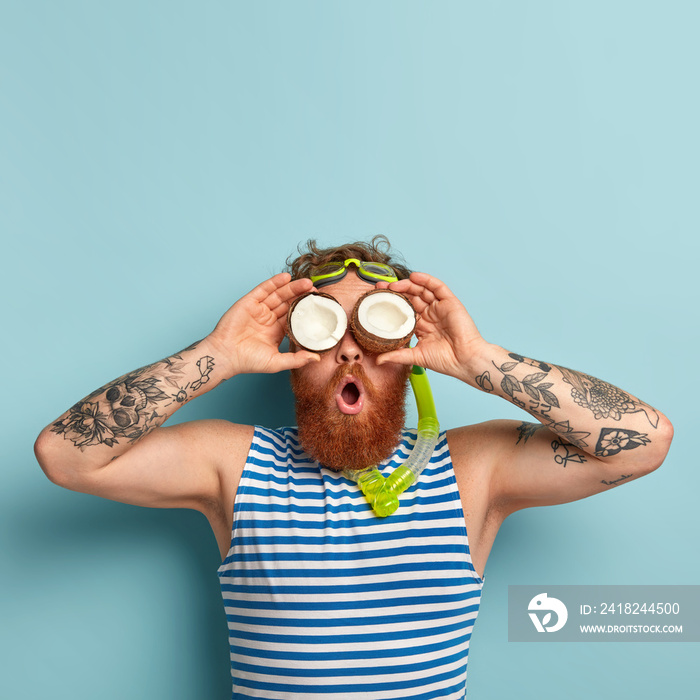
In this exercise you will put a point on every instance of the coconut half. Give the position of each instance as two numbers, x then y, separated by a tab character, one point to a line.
316	322
383	320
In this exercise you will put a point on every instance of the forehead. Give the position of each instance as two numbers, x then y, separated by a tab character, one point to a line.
348	290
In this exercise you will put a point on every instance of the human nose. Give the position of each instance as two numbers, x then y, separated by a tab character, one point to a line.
348	349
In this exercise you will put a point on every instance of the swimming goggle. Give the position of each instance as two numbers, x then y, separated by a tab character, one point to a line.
332	272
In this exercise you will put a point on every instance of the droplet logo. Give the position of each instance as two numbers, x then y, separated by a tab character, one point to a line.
544	604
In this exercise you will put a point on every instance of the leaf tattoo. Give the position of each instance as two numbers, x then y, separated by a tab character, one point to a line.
532	385
510	385
527	430
541	398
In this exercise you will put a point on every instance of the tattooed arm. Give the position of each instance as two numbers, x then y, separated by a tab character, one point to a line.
591	436
111	444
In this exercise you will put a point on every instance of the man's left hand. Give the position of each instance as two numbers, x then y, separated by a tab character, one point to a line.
447	336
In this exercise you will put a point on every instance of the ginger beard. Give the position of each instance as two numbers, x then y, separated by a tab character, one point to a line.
340	441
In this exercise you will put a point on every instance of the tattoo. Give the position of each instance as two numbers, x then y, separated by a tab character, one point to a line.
189	347
527	430
483	381
130	398
539	394
128	406
603	399
540	398
205	365
574	437
568	456
613	440
181	395
85	425
528	361
615	481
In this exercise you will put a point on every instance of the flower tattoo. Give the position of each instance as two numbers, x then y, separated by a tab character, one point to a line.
85	425
613	440
603	399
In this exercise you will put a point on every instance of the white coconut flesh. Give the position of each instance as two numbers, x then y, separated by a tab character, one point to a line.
387	315
318	323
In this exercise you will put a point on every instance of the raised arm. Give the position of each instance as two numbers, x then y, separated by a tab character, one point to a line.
591	436
111	444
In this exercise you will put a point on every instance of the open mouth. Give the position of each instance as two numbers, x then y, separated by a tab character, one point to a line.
350	395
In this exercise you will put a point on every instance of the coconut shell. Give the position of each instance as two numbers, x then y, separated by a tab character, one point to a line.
374	343
288	331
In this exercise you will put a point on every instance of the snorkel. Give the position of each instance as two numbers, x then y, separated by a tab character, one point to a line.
383	493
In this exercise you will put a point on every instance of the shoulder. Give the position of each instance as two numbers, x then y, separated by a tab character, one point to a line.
476	450
478	446
224	445
226	442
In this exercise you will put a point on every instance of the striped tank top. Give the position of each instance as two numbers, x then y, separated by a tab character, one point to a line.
325	600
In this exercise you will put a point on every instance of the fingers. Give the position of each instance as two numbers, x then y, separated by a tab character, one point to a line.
424	286
420	296
410	290
436	286
280	311
405	356
279	289
424	326
264	289
277	292
295	360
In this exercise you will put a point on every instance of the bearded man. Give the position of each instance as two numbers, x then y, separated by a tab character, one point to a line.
323	598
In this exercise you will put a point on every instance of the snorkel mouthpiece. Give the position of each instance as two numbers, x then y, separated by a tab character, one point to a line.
383	494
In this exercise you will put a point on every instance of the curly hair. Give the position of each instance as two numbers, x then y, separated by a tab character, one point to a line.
377	250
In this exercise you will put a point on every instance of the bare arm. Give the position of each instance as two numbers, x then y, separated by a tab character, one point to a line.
590	437
111	443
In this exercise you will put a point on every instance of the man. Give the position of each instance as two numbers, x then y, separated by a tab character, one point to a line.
323	598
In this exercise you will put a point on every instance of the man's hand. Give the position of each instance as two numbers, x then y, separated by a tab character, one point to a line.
250	332
447	337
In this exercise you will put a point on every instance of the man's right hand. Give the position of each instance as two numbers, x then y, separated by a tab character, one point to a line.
249	333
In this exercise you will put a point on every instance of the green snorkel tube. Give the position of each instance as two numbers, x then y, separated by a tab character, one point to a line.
383	493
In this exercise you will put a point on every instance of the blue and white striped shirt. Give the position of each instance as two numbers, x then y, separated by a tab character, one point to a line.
326	600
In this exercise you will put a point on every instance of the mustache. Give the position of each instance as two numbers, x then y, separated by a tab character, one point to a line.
356	370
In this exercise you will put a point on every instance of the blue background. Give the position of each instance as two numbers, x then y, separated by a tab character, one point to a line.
159	159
